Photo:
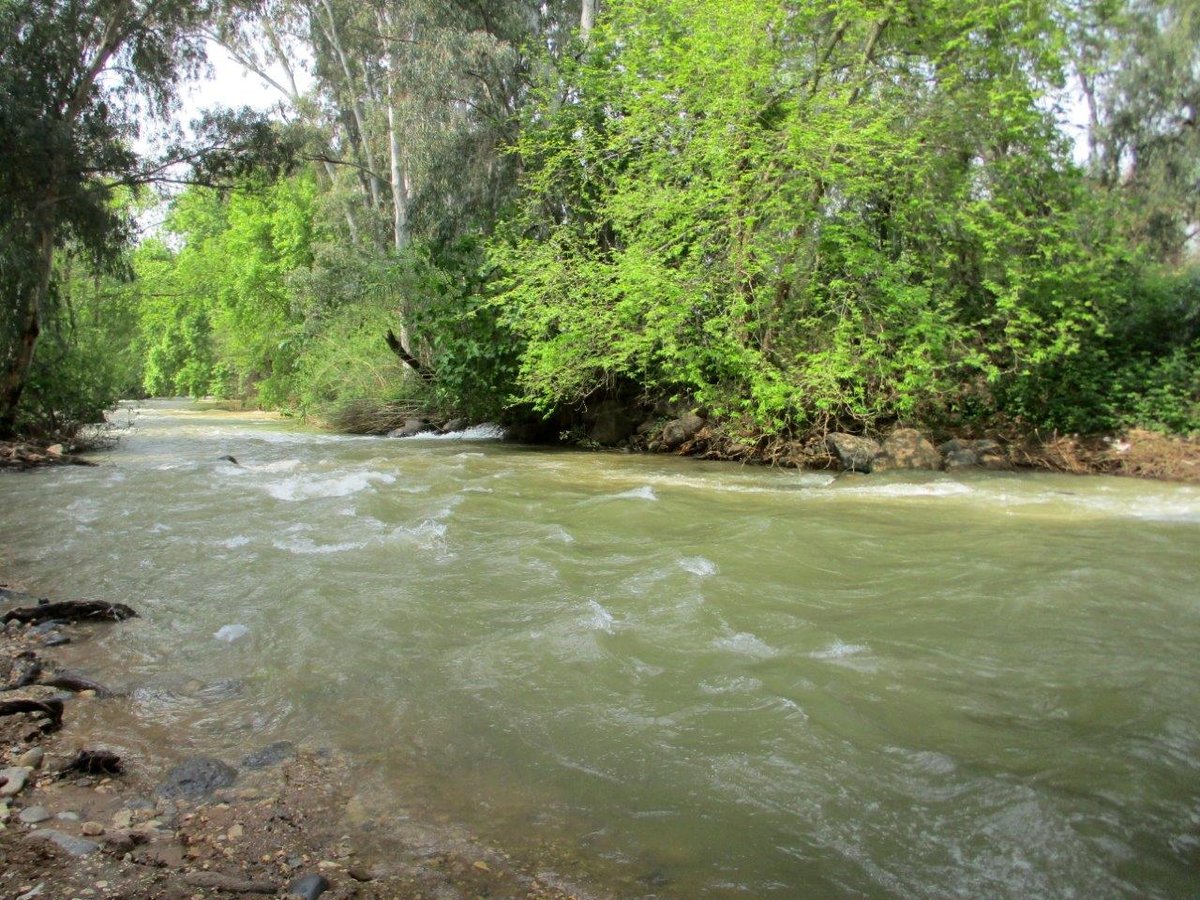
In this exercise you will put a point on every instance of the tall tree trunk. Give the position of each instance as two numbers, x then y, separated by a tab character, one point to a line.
587	19
28	321
356	109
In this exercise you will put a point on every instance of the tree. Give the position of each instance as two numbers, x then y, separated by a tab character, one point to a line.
802	215
76	78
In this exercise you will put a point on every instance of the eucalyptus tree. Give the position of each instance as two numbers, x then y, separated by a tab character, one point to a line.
1138	68
77	79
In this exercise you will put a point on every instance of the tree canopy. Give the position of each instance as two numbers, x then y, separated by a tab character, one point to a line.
800	215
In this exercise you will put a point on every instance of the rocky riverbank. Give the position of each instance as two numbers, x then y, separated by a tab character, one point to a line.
83	817
1135	453
21	455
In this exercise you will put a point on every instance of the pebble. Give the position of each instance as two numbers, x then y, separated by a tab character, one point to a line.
33	815
67	816
235	832
123	818
31	758
92	829
14	780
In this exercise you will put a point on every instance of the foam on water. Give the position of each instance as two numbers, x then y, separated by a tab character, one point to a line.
238	540
744	643
602	619
313	487
839	650
645	492
306	547
698	565
230	633
485	432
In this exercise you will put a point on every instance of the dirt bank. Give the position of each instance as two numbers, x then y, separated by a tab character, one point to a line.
282	818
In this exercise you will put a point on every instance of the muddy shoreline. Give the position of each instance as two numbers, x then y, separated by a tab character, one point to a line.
284	822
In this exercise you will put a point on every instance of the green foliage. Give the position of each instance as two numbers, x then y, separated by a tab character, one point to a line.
89	355
800	216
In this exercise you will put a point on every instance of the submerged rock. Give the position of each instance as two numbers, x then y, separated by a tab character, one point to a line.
270	755
411	428
854	453
196	778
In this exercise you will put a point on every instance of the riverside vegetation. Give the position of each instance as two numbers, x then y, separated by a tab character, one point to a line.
592	218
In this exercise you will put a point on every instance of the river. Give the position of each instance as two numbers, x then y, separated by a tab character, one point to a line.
670	677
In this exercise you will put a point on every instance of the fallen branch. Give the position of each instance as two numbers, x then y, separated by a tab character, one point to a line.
407	358
94	762
71	611
51	708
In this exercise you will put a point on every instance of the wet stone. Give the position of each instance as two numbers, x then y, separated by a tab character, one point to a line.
33	815
270	755
310	887
196	778
32	758
72	845
12	781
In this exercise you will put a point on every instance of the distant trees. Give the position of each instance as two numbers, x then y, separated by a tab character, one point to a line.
77	77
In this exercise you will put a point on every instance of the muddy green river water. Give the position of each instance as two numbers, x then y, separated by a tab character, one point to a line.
671	678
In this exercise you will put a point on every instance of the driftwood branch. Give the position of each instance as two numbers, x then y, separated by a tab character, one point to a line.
70	611
407	358
51	708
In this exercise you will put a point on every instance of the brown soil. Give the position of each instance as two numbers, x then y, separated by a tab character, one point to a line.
271	827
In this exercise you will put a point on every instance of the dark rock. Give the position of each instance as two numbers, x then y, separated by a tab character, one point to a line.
453	425
48	625
94	762
196	778
854	453
68	843
232	884
963	454
55	639
310	887
960	459
270	755
907	448
229	459
611	424
360	874
411	428
681	430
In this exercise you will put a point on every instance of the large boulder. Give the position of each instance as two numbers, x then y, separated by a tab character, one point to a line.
679	431
907	448
853	453
611	424
412	427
